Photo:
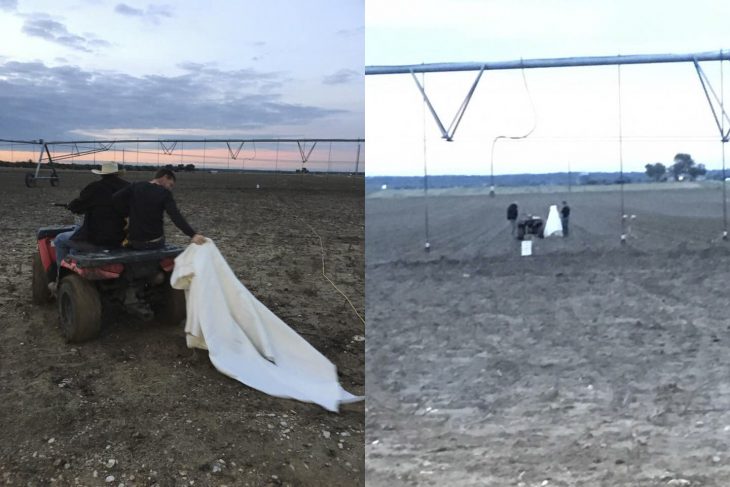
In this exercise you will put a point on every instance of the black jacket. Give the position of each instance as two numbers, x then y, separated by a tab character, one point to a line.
512	212
102	225
565	211
145	203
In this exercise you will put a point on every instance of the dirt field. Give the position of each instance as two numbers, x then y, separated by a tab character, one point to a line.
136	404
588	363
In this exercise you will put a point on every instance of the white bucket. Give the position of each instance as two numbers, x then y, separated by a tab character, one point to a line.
526	247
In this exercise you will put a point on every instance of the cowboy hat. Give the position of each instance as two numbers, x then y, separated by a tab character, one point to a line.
108	168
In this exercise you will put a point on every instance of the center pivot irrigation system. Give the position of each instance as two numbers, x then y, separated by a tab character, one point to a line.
82	148
716	102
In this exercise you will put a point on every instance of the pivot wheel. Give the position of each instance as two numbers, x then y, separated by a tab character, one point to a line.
170	309
30	180
79	308
41	294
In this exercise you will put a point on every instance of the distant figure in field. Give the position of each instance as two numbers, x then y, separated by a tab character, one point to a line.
512	211
564	215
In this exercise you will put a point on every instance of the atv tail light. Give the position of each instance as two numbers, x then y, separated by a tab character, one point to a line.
167	264
108	271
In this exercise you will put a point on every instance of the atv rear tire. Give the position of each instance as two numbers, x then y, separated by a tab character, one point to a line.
41	293
170	310
79	308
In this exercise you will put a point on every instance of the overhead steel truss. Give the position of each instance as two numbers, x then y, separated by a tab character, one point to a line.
448	134
166	145
721	55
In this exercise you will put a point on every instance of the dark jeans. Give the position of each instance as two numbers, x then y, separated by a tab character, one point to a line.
62	245
564	221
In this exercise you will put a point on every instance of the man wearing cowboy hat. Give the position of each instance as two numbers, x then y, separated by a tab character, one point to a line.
102	226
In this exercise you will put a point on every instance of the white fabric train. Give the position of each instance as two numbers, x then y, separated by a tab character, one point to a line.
245	340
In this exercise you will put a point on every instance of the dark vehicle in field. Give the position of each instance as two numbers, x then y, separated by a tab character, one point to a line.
530	226
97	278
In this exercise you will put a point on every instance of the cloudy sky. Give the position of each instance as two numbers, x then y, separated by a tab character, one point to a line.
575	115
115	69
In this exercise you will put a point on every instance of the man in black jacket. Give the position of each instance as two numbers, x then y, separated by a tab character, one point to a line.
512	216
145	202
564	217
103	226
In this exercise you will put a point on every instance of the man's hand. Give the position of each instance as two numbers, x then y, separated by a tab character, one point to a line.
198	239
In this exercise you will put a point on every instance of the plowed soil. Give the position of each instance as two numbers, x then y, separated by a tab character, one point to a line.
588	363
136	404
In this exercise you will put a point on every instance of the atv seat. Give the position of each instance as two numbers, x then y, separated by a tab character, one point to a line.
83	246
99	256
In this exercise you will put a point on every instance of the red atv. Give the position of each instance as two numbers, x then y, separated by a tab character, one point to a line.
96	278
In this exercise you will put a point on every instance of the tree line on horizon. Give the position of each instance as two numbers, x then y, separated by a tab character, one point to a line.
29	164
684	167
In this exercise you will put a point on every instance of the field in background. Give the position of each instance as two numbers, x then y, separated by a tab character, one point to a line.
588	363
545	189
137	395
466	225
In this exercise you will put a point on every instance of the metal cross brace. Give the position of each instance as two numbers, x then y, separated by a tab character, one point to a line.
303	149
78	153
723	115
234	155
448	134
168	150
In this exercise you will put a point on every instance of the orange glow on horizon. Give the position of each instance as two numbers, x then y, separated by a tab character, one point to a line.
321	159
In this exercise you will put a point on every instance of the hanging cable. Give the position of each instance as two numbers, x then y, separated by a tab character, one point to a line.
621	158
355	183
513	137
723	141
276	165
324	274
357	159
427	246
295	216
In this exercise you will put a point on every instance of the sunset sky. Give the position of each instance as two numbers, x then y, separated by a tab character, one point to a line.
576	116
98	69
